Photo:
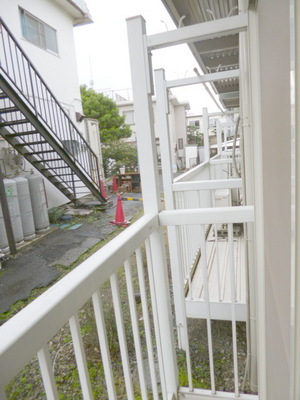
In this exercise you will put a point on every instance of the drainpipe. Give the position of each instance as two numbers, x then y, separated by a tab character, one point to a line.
247	172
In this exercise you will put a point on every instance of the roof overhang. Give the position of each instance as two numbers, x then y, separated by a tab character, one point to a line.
216	54
78	11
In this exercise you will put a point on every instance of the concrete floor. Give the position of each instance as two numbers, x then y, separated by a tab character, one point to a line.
36	264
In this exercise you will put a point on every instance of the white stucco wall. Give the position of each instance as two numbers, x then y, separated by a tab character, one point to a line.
177	125
273	24
59	71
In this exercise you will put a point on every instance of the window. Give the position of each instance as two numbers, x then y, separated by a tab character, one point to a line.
38	32
195	123
129	117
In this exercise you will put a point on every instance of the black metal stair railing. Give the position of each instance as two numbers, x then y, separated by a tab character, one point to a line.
53	124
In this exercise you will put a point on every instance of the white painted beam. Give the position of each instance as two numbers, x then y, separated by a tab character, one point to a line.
194	80
216	215
208	185
202	31
201	394
219	310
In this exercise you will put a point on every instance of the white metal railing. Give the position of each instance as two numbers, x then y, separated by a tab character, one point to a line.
196	189
201	218
126	269
30	333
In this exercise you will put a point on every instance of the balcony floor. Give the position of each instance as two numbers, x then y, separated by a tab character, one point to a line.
223	304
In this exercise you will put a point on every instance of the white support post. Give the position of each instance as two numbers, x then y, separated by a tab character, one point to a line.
141	76
206	134
219	137
141	85
166	160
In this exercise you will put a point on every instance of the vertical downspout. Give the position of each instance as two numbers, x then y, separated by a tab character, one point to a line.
252	135
247	153
295	198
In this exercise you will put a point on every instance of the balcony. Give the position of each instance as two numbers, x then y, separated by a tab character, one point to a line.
157	313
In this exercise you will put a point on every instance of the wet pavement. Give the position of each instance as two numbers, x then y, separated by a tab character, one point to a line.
40	262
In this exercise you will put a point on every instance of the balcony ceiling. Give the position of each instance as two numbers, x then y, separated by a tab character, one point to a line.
212	55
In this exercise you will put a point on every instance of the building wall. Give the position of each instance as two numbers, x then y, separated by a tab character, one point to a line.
273	24
59	71
177	126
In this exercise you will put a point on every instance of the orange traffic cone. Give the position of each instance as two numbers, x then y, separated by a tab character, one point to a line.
103	191
119	218
115	187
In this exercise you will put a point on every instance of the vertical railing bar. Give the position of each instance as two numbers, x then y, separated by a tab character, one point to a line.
159	339
102	336
185	329
148	334
135	329
25	76
121	335
19	69
203	264
40	96
47	373
233	313
80	358
4	47
12	63
218	262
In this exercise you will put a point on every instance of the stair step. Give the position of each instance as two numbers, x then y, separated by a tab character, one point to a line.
16	122
30	143
50	160
39	152
46	169
33	132
9	110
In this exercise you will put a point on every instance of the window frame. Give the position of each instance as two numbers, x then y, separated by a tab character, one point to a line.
129	117
44	33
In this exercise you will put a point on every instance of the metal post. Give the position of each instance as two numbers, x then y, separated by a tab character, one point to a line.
206	134
141	73
166	161
6	217
219	137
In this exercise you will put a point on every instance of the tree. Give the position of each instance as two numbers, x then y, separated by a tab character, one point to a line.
111	124
117	155
194	136
112	129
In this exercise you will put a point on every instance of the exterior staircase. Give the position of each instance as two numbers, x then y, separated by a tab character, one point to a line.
33	122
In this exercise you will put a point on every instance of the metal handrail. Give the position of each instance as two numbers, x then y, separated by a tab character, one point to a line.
22	73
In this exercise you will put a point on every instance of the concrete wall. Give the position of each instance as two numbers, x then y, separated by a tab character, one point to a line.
273	20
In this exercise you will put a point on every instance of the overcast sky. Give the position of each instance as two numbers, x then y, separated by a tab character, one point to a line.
102	49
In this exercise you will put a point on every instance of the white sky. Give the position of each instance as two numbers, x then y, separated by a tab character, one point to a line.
102	49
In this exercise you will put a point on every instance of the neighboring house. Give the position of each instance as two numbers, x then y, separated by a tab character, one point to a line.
177	123
39	85
222	124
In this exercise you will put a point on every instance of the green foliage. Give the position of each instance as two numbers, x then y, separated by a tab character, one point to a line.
112	129
111	124
117	154
194	136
